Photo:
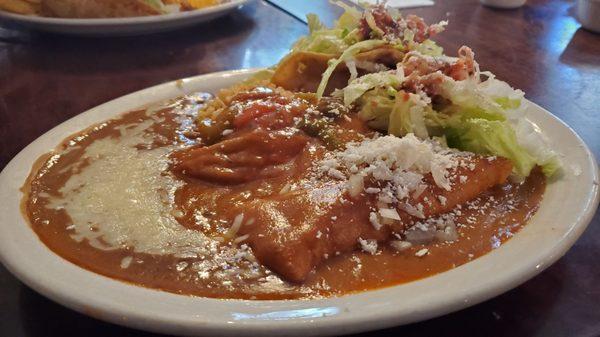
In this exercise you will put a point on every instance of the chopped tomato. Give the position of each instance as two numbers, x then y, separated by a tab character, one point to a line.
274	112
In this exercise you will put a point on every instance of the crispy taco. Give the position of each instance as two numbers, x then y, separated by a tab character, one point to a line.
387	67
358	43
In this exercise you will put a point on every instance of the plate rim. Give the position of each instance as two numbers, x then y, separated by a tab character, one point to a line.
337	322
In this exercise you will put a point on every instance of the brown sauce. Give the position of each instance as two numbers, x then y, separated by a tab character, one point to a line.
483	224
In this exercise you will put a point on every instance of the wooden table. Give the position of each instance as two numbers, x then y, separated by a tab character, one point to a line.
539	48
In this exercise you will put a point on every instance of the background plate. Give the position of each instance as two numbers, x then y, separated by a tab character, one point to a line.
118	26
567	208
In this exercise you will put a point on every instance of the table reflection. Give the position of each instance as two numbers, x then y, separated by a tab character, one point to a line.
289	314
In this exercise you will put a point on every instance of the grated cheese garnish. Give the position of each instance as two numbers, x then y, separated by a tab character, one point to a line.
397	165
375	220
422	252
369	246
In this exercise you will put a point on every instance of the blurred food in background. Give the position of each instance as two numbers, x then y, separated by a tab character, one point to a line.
102	8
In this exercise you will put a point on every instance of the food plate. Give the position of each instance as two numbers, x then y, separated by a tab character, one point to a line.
119	26
567	208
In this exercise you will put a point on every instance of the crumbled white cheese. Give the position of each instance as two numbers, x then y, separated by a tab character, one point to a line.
335	173
374	219
422	252
355	185
442	200
400	245
180	266
369	246
372	190
412	210
402	161
389	213
398	165
126	262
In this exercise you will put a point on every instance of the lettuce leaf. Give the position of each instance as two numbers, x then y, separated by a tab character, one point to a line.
531	138
491	137
472	118
495	100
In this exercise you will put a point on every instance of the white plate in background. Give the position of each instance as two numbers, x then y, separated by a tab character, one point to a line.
118	26
568	206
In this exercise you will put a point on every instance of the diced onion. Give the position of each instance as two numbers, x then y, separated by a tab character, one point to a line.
389	213
355	185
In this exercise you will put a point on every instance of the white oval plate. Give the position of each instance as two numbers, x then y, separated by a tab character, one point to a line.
118	26
567	208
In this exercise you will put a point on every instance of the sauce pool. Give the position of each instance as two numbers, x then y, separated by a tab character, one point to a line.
228	269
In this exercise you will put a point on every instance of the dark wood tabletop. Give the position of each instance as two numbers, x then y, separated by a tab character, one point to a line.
539	48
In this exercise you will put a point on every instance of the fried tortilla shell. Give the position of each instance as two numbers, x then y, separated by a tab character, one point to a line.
302	71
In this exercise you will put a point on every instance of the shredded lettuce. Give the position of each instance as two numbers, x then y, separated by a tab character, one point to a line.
375	30
428	47
375	107
331	40
326	41
468	99
395	112
158	4
359	86
347	54
314	23
349	19
408	116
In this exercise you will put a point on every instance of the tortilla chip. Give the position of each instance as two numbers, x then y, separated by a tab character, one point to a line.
302	71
